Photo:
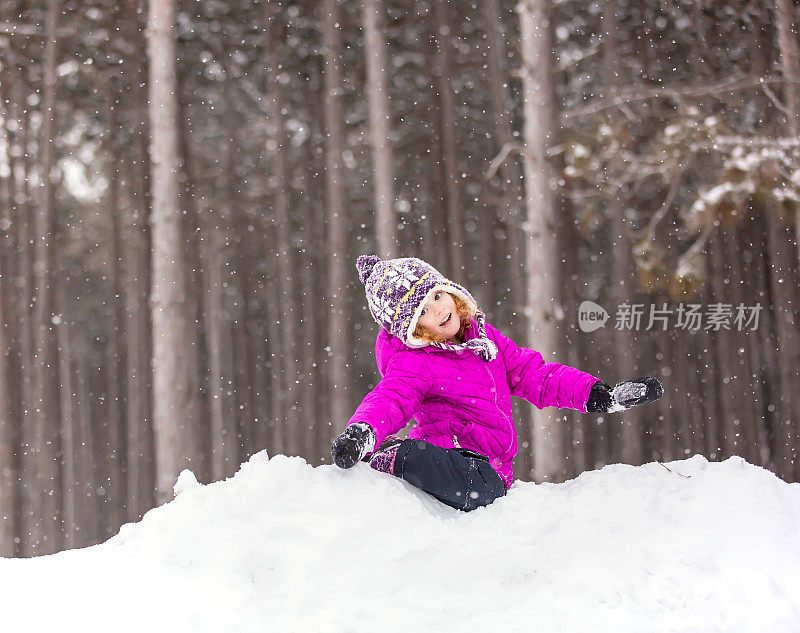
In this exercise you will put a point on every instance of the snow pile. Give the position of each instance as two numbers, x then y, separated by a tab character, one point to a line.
285	547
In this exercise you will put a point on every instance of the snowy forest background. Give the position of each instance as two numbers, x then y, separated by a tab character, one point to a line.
184	188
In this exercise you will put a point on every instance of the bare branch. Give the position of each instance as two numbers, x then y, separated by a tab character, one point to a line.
501	157
737	82
700	242
775	101
9	28
34	30
674	472
665	206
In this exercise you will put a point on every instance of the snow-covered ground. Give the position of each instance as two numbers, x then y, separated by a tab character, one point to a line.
285	547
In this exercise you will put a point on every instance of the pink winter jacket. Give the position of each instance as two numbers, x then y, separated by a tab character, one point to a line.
460	400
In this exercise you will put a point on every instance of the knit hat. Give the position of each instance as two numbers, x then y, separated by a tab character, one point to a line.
397	290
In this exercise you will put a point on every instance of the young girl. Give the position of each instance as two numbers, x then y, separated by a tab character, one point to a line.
441	363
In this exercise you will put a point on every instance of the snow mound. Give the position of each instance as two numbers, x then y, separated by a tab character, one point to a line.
687	546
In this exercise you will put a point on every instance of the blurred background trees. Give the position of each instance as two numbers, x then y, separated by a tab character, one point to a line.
184	188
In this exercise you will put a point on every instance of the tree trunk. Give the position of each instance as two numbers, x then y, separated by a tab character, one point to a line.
140	458
116	454
224	440
242	267
175	376
25	234
783	291
296	435
506	308
542	259
750	397
434	226
509	172
87	507
456	238
731	398
380	119
314	327
70	448
261	375
41	475
754	239
628	426
276	436
10	395
787	26
339	336
194	273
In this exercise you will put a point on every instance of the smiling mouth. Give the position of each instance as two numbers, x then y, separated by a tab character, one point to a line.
446	321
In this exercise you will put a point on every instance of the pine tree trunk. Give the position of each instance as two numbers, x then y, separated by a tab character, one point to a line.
339	336
434	227
70	449
194	272
296	435
25	234
756	285
510	177
733	408
509	171
10	408
314	326
242	265
749	396
87	506
279	439
117	451
783	290
380	128
787	27
140	459
311	328
224	441
264	394
628	426
542	257
456	239
41	475
175	377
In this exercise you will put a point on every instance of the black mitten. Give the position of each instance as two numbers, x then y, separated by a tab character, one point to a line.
604	399
637	391
356	441
599	398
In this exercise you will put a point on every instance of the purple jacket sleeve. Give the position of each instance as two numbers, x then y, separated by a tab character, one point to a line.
542	384
395	399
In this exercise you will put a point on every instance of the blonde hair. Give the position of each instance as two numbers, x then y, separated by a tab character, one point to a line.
465	311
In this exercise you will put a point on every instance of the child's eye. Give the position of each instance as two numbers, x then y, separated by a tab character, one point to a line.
424	310
437	295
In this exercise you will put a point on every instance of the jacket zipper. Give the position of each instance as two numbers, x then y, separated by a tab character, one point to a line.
513	430
497	406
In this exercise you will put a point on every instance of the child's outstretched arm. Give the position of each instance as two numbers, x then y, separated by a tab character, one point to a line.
386	409
555	385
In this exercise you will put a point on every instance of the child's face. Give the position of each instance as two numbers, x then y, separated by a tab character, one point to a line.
439	315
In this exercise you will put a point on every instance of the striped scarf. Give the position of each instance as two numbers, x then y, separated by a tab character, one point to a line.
482	345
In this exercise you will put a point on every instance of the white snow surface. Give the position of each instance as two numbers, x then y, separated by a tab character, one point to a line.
690	546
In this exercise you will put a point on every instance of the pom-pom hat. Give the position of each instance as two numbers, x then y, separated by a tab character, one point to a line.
397	290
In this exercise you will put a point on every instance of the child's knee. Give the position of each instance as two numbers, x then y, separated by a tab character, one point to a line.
461	481
416	462
485	486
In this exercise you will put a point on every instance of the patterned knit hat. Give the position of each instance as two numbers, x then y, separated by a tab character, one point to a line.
396	293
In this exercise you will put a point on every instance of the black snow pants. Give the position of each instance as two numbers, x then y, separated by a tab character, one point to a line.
460	478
